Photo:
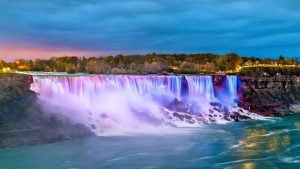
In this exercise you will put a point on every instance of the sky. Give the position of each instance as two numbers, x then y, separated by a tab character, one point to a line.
46	28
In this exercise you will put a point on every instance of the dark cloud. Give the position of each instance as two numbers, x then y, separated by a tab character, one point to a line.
249	27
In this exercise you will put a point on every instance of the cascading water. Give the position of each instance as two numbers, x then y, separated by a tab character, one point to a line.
232	86
124	103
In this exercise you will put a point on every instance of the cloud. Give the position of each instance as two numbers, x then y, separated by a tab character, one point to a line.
141	26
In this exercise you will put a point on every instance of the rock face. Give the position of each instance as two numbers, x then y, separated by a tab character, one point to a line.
272	82
271	95
14	95
22	121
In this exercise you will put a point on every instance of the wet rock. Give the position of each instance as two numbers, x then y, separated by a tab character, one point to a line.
188	117
93	126
181	117
216	104
226	110
227	118
184	87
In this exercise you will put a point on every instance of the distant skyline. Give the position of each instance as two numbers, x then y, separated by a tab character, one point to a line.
42	29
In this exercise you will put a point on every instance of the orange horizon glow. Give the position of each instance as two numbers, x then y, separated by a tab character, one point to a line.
15	52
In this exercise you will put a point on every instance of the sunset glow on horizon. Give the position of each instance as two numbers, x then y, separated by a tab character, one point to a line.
15	52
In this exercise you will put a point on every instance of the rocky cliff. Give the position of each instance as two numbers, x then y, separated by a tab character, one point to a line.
22	121
15	96
270	95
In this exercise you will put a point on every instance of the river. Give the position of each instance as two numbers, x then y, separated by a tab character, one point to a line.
272	143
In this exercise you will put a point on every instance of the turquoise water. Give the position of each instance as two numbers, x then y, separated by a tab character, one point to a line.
253	144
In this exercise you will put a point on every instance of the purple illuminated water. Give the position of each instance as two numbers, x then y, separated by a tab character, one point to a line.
126	103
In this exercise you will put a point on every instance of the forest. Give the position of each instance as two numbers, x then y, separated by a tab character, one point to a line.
157	64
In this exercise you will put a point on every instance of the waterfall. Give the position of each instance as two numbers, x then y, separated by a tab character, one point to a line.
232	87
124	102
201	86
90	87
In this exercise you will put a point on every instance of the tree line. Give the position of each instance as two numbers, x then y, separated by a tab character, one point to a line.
146	64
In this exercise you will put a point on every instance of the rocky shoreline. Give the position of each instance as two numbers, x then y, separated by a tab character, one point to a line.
22	121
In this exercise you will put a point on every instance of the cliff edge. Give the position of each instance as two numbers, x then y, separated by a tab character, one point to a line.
271	95
22	121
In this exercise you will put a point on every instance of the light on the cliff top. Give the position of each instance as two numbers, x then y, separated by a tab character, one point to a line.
6	69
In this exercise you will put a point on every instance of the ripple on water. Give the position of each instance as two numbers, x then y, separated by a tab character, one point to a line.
184	147
140	154
200	158
295	159
242	161
115	159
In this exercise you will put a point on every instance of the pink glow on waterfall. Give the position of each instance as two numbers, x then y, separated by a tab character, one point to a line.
124	103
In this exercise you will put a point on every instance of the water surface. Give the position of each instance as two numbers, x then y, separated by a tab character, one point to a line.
273	143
